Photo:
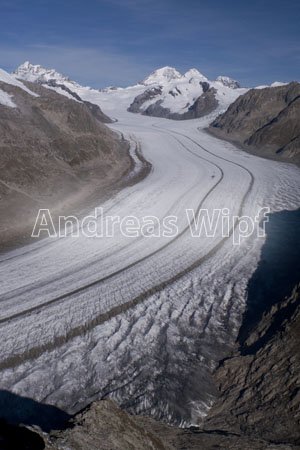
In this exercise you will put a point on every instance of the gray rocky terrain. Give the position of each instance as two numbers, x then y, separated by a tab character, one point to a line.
265	122
55	153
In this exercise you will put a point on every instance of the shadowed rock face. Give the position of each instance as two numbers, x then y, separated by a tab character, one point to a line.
53	152
18	437
21	418
265	122
205	104
139	100
16	410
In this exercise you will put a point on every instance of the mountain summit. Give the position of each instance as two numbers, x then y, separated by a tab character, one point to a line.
39	74
162	76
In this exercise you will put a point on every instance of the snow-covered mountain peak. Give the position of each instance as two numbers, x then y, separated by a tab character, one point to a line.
37	73
162	76
228	82
194	73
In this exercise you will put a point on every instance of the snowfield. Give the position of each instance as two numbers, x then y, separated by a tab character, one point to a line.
143	320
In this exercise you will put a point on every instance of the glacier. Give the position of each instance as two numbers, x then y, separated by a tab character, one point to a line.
143	321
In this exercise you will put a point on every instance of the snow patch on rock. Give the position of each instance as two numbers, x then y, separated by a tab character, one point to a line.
6	99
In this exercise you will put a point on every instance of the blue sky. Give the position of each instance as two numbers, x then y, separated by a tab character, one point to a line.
105	42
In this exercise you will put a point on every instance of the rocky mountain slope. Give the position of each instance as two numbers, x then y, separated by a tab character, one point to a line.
54	151
265	122
104	426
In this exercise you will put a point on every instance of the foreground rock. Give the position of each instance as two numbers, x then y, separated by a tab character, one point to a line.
265	122
104	426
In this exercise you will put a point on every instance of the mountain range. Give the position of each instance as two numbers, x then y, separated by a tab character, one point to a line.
164	93
263	120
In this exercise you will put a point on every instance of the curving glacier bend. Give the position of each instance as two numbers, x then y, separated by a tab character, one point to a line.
143	320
